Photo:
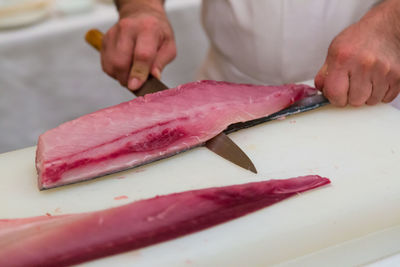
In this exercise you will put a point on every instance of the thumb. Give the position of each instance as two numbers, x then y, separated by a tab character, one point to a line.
138	74
143	58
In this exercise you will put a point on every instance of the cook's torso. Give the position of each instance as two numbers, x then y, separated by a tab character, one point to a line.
273	41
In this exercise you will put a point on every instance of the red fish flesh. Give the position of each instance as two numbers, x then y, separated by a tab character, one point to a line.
152	127
70	239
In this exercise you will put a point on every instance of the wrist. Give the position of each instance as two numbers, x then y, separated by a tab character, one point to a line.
126	7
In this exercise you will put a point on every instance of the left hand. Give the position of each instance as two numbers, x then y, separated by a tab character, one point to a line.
363	61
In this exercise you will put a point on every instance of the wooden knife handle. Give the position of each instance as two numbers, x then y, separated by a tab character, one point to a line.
95	38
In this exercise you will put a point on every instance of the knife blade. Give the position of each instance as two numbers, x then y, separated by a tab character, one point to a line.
226	148
221	144
306	104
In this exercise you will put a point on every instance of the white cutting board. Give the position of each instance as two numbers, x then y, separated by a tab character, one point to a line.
353	221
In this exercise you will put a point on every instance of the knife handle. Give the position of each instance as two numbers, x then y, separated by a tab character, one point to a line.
95	38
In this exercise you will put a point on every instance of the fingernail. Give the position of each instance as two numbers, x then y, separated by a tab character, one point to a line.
157	74
134	84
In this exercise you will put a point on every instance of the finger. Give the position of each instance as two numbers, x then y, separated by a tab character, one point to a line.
143	58
391	94
123	55
360	88
165	55
336	86
105	52
380	85
122	77
394	85
320	77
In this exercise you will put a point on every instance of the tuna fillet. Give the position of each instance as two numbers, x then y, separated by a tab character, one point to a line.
70	239
152	127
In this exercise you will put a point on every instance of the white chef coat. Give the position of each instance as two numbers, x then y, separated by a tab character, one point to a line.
273	41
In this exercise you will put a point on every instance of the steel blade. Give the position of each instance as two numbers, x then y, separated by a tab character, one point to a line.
226	148
152	85
306	104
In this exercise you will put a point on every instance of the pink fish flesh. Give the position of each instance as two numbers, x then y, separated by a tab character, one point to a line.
152	127
71	239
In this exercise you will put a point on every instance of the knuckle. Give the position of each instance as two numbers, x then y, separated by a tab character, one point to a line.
384	67
126	24
367	61
149	23
341	54
144	55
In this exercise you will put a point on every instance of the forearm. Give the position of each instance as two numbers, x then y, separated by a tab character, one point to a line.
389	9
385	18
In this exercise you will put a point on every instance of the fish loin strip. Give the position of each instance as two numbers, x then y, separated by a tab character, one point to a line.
71	239
153	127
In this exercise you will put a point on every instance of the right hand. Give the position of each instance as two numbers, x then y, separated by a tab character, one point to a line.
141	42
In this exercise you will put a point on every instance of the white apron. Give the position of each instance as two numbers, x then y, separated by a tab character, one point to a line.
273	41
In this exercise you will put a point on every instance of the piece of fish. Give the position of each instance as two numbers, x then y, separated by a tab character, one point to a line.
69	239
155	126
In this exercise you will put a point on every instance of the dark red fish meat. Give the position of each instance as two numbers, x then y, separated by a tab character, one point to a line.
71	239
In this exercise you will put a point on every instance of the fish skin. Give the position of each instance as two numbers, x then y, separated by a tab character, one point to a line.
152	127
70	239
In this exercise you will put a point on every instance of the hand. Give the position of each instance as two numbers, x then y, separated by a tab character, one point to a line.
142	42
363	61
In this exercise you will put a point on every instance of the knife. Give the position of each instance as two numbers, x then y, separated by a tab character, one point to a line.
306	104
221	144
